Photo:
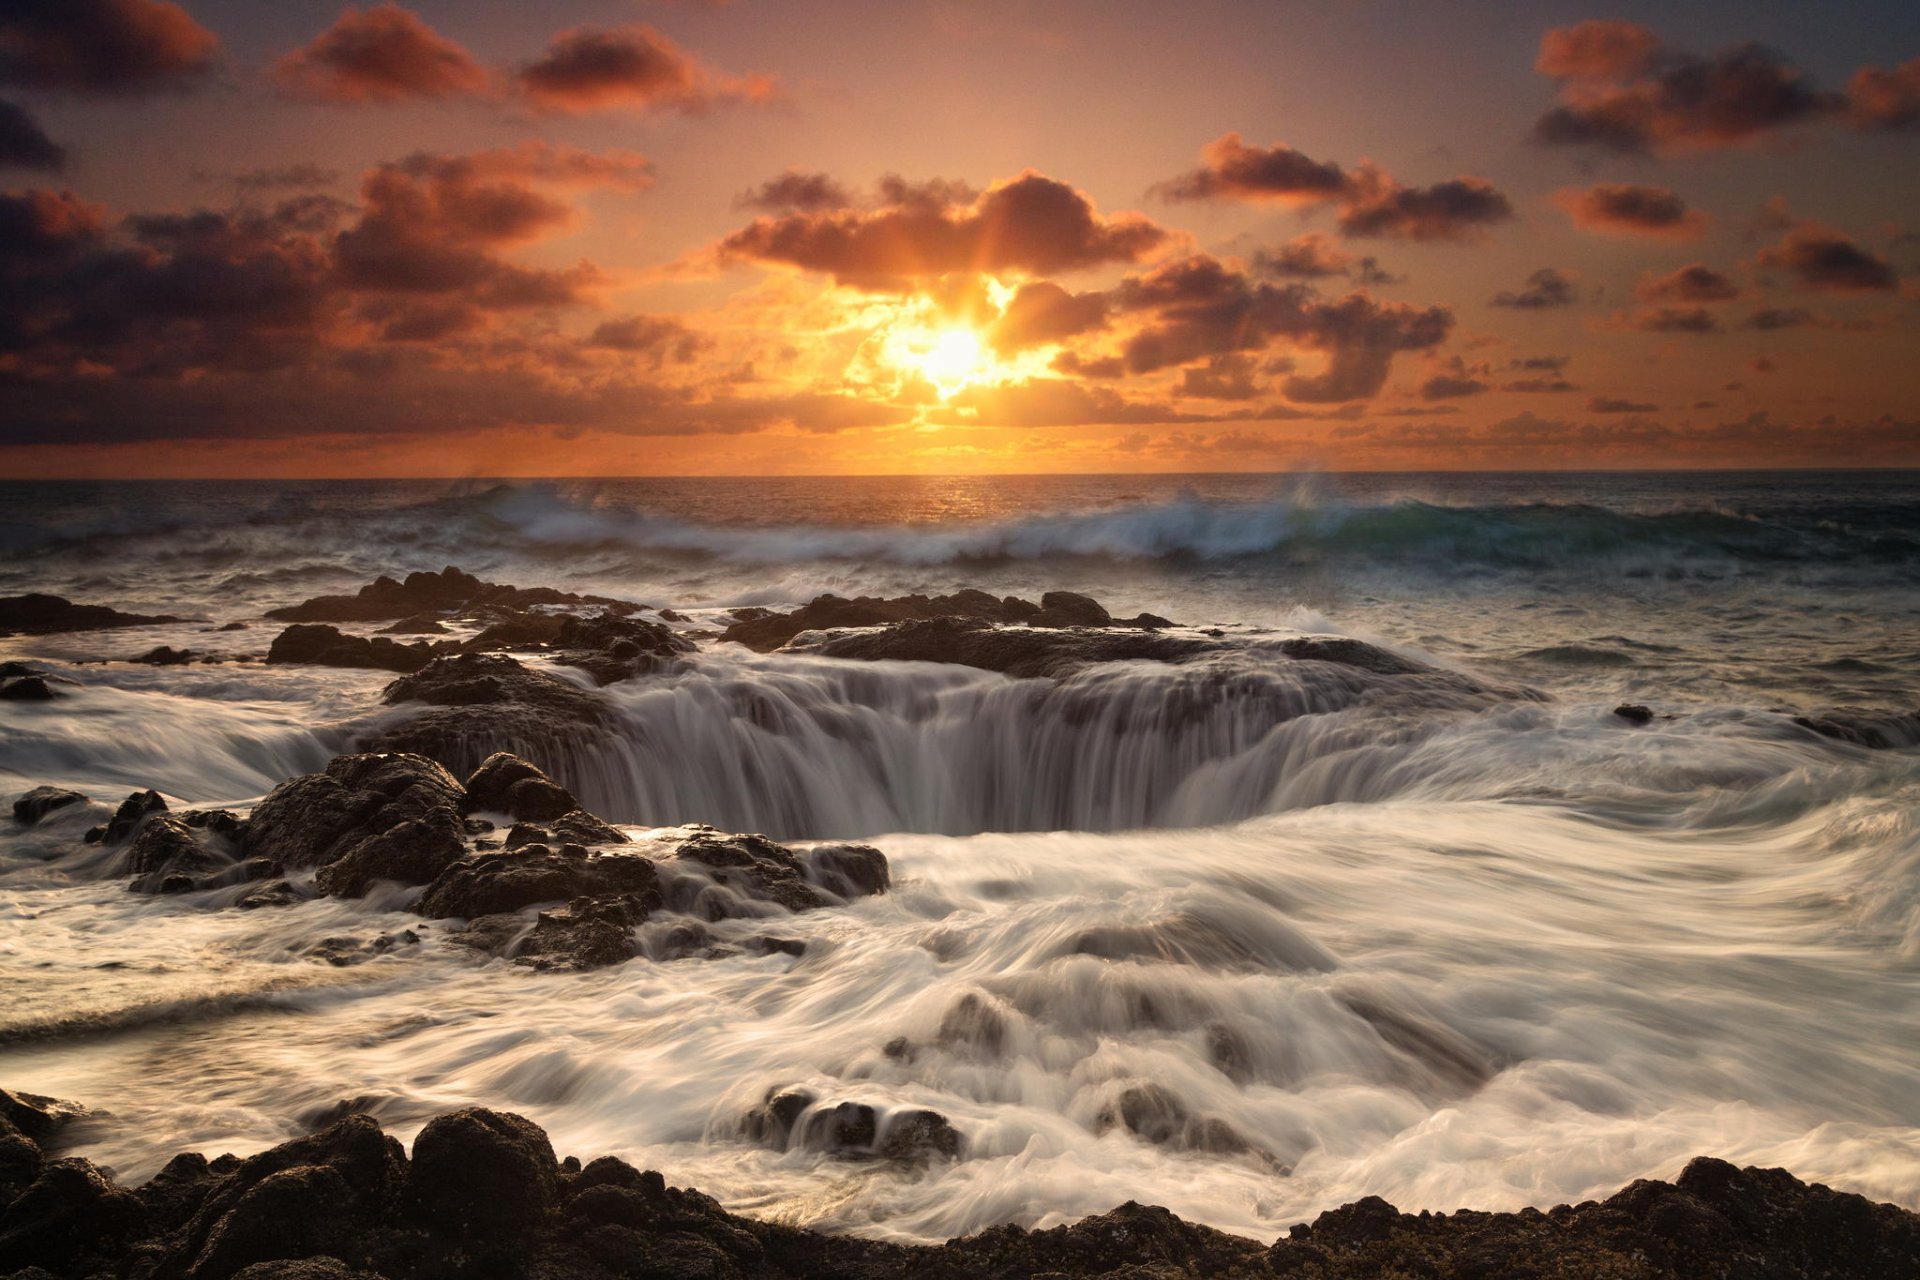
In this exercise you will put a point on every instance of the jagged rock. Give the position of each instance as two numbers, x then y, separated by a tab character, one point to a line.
848	870
1153	1114
38	615
483	1174
166	656
290	1214
1015	651
422	593
69	1216
133	811
1070	609
587	933
330	647
507	784
480	703
918	1134
515	629
731	871
27	689
578	827
509	881
1878	730
611	648
1633	713
767	631
41	801
363	818
1348	652
165	853
420	624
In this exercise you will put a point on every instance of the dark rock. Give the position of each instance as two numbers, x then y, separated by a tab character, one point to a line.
133	811
1634	713
39	615
674	615
1069	609
231	626
420	624
174	1195
610	648
1014	651
291	1214
69	1216
518	878
41	801
20	1162
770	631
330	647
279	893
481	703
848	870
1348	652
165	852
364	818
750	613
729	873
166	656
918	1134
482	1174
1861	727
448	590
28	689
320	1268
587	933
507	784
35	1115
578	827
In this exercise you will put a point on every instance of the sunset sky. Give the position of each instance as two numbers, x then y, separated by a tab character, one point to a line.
628	237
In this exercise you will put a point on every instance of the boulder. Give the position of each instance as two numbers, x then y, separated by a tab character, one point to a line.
291	1214
848	870
41	801
482	1174
165	853
449	590
363	818
330	647
477	704
38	615
1070	609
504	783
587	933
28	689
133	811
578	827
1633	713
1015	651
68	1217
518	878
166	656
1863	727
610	647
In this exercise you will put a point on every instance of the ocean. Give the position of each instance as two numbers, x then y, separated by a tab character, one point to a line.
1467	938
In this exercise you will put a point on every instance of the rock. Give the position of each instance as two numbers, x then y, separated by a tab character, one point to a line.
1152	1113
41	801
518	878
507	784
423	593
20	1162
1069	609
587	933
133	811
719	876
483	1174
35	1115
770	631
290	1214
39	615
578	827
481	703
848	870
611	648
1348	652
279	893
320	1268
69	1216
166	656
1015	651
515	629
363	818
420	624
28	689
1861	727
919	1134
165	851
330	647
231	626
1634	713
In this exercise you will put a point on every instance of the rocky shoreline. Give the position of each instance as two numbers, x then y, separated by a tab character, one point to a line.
482	1194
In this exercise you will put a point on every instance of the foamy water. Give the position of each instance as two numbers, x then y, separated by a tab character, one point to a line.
1454	939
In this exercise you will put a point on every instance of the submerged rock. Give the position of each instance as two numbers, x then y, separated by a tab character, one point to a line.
1013	651
766	631
38	615
493	883
610	647
476	704
28	689
330	647
1863	727
449	590
41	801
1633	713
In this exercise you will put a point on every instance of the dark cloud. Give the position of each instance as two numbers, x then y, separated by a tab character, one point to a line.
1547	287
1773	318
1371	203
796	190
284	177
1611	404
1673	320
1695	282
1826	260
1313	256
631	67
24	144
1621	90
1449	387
107	47
1223	378
382	54
1043	312
1620	208
1878	99
657	339
1029	224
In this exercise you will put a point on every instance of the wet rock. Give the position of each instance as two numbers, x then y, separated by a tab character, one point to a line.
1016	651
165	852
278	893
848	870
1348	652
27	689
38	615
974	1025
483	1174
41	801
769	631
505	783
1152	1113
729	873
166	656
174	1195
518	878
578	827
611	648
1633	713
70	1214
1861	727
326	646
918	1134
587	933
1070	609
133	811
479	703
317	1268
420	624
231	626
20	1162
364	818
37	1116
514	629
290	1214
446	591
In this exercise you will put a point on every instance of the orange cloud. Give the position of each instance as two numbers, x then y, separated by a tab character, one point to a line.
634	68
382	54
104	47
1623	208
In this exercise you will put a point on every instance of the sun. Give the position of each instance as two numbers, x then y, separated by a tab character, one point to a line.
950	357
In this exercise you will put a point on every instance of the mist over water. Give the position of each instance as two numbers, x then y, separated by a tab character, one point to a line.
1459	937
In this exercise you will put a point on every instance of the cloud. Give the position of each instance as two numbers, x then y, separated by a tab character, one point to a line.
104	47
1878	99
1448	387
1818	258
632	68
1671	320
382	54
1043	312
1769	319
1611	404
24	145
1313	256
1622	90
1621	208
796	190
1371	202
1030	224
1695	282
1545	288
1222	378
657	339
283	177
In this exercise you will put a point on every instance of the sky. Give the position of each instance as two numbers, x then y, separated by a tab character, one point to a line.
756	237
